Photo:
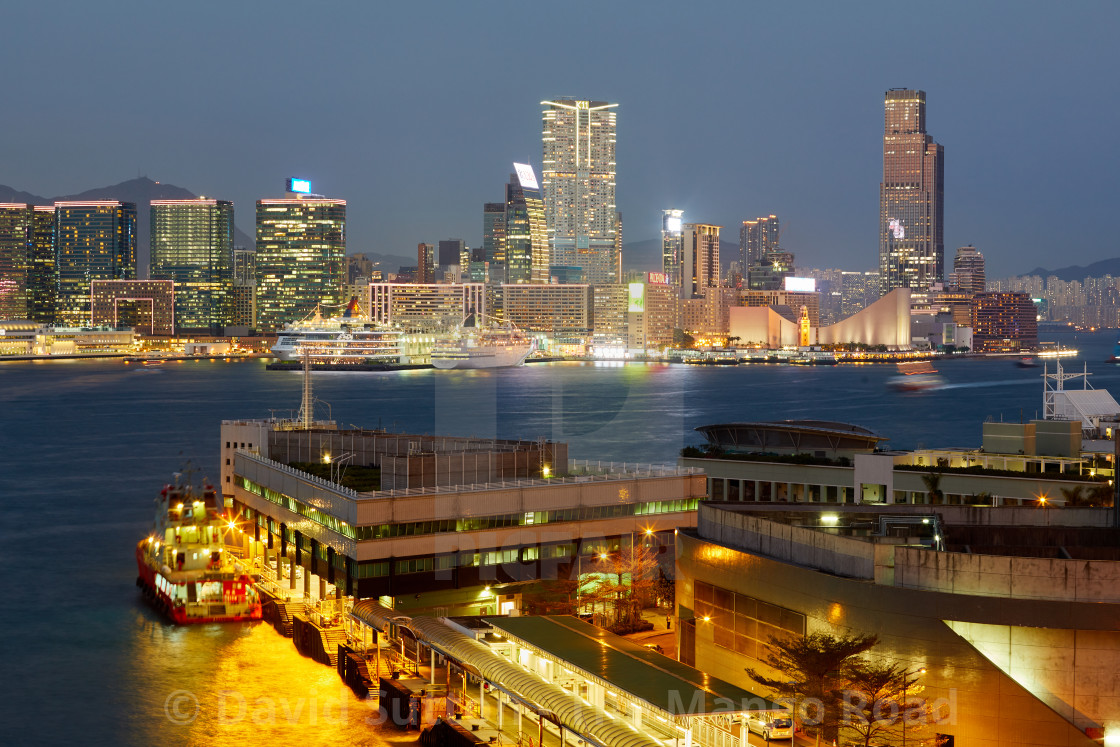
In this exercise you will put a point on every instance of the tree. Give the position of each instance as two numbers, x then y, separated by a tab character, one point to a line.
882	707
627	582
813	670
932	482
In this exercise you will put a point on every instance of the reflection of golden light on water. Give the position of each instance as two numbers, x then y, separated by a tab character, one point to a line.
244	684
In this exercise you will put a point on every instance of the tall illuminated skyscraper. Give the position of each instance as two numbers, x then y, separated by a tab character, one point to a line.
700	267
757	238
911	196
43	275
968	270
671	223
301	243
526	235
15	260
192	244
578	177
96	240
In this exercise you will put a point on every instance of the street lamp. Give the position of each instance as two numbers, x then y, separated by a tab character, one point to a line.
336	464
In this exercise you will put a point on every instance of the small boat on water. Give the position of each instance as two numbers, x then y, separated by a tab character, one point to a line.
1027	361
190	566
1115	357
917	376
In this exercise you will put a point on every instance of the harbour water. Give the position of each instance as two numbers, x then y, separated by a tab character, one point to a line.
85	447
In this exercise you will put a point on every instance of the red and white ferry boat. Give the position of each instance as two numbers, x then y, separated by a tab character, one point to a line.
190	564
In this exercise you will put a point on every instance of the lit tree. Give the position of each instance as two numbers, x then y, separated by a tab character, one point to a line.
882	707
628	580
814	669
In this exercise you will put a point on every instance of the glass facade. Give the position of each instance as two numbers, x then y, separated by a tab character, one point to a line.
95	241
526	236
15	260
744	624
578	175
911	197
43	276
671	223
301	245
192	245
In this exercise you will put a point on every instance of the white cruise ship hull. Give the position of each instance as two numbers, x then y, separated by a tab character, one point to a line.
503	356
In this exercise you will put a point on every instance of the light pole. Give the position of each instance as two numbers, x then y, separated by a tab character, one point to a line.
336	464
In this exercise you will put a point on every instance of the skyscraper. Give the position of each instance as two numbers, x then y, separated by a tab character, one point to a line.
16	221
671	223
494	239
95	241
301	242
526	235
968	270
578	176
700	268
192	244
43	275
425	263
757	238
911	196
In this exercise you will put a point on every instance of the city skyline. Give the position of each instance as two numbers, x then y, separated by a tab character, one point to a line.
814	159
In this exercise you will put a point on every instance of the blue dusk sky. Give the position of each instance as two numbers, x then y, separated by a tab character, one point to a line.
413	112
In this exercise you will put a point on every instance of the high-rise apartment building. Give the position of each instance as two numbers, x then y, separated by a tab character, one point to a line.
192	245
244	291
578	176
95	240
911	197
16	249
43	275
968	270
671	223
301	243
757	238
526	233
699	259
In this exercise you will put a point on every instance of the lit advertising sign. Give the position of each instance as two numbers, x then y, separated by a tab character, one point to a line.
801	285
526	176
658	278
897	230
637	297
672	224
300	186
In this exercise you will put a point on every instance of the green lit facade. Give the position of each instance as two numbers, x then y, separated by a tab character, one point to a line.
301	247
192	244
96	241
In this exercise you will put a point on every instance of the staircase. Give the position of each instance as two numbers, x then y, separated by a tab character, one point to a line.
320	644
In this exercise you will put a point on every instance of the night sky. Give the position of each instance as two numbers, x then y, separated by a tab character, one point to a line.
413	112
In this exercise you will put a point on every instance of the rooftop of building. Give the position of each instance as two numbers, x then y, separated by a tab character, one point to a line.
666	684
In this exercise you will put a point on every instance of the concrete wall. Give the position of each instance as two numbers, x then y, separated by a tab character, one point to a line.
885	322
1004	576
992	709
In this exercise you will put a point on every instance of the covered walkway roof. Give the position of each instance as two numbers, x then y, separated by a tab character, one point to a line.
549	701
674	688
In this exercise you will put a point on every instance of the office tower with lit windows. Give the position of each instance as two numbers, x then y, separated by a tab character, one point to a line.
95	240
699	259
243	293
671	223
526	234
968	270
43	275
16	251
301	245
494	240
192	245
425	263
911	196
452	252
578	177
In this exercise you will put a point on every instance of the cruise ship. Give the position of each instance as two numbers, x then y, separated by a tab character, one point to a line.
473	346
349	338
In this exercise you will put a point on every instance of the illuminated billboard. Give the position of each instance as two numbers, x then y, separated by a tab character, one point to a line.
897	230
673	224
526	176
658	278
300	186
801	285
637	297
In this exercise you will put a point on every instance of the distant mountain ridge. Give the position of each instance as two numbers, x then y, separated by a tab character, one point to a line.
141	191
1077	272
